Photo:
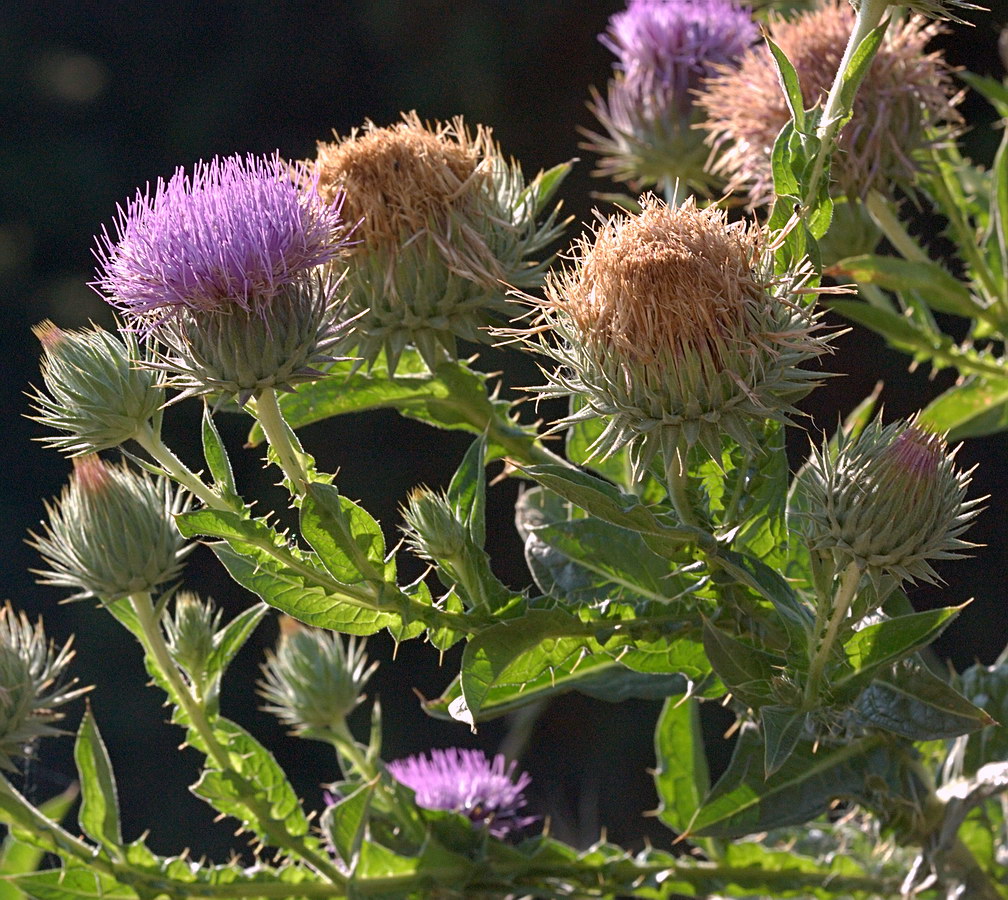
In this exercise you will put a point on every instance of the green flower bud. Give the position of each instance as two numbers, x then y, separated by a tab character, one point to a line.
888	501
190	631
242	352
672	326
95	391
444	221
313	682
32	684
111	532
431	527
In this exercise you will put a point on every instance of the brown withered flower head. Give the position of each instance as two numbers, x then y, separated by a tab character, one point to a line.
672	327
444	223
906	103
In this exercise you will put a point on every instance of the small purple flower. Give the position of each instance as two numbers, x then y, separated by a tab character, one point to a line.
466	782
231	235
665	48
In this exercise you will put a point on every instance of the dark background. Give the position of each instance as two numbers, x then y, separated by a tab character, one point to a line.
97	99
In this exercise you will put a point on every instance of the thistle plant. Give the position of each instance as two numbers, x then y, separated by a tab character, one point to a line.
675	552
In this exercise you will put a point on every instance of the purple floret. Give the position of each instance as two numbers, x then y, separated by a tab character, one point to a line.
665	48
232	234
466	782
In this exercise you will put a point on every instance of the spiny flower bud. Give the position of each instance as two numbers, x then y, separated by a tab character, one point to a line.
664	50
466	782
190	630
111	533
218	265
889	501
313	681
96	391
443	220
32	684
905	104
671	325
431	527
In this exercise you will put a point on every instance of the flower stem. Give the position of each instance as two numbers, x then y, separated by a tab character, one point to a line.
849	581
151	441
869	15
155	646
267	411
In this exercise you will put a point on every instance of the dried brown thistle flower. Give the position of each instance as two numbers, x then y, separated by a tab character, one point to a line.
445	221
672	326
905	103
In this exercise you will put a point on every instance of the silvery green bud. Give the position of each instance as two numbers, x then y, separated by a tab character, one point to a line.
312	681
444	222
190	630
431	527
95	391
672	327
111	533
243	352
32	684
889	501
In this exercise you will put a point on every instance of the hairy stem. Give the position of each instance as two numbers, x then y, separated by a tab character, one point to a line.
267	411
176	469
849	581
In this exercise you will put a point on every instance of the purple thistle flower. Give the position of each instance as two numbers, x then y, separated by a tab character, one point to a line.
466	782
665	48
232	234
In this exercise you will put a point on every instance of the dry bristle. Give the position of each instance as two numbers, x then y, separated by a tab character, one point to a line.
49	334
905	92
405	178
662	280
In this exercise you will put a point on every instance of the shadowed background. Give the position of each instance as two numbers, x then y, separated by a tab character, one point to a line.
97	99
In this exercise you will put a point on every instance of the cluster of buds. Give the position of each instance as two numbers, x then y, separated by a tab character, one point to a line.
112	533
220	268
672	327
443	223
664	51
32	685
889	501
905	104
313	681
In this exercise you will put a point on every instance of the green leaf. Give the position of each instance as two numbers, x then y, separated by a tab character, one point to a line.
915	703
782	728
467	491
73	883
20	857
231	638
972	408
789	83
347	538
938	288
875	646
996	92
987	686
745	801
999	206
345	821
259	559
860	63
746	670
99	811
516	651
681	775
216	457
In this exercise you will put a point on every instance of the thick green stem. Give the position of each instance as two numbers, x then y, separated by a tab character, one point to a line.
176	469
154	644
849	581
677	483
869	15
267	411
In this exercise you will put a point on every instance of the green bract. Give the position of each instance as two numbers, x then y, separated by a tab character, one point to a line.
889	501
111	532
97	391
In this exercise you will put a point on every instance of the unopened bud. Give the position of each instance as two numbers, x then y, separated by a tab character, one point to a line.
190	631
96	391
889	501
313	681
111	533
431	527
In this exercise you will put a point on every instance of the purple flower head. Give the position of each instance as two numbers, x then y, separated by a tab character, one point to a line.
230	235
466	782
665	48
